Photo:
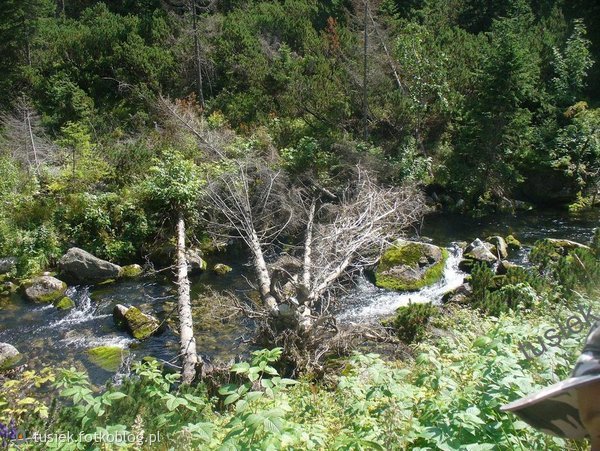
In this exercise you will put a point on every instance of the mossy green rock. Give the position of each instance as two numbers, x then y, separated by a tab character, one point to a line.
512	243
45	289
64	303
131	271
410	266
9	356
221	269
108	358
139	324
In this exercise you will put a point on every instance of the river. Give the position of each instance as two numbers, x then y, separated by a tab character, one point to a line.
47	336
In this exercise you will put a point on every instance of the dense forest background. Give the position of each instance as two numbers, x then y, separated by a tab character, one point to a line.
487	105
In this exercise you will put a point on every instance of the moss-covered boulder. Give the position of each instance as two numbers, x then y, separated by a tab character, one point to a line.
221	269
108	358
512	243
131	271
44	289
139	324
9	356
410	266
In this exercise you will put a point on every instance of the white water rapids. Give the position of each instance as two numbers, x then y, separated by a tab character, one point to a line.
368	302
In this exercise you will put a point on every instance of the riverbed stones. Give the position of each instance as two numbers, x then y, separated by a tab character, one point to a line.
139	324
512	243
459	295
196	263
221	269
81	266
9	356
477	252
500	247
410	265
45	289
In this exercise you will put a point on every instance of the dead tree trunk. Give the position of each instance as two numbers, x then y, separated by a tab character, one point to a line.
199	81
186	329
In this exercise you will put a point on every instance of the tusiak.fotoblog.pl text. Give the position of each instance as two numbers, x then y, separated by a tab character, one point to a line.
553	337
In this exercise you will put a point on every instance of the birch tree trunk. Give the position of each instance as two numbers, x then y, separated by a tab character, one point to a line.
186	329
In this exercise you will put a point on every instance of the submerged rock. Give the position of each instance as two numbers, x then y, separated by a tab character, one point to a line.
45	289
139	324
9	356
108	358
64	303
221	269
410	265
84	267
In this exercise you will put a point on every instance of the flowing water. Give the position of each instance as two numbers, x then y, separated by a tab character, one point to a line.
48	336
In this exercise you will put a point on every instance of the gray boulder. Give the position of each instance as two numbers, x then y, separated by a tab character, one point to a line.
500	247
45	289
9	356
82	266
460	295
195	262
480	251
7	264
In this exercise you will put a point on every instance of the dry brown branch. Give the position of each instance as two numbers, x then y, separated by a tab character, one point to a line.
25	138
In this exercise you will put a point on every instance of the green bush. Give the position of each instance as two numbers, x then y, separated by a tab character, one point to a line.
410	321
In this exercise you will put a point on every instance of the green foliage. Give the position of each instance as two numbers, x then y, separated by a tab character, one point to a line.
19	397
173	185
571	65
410	322
447	398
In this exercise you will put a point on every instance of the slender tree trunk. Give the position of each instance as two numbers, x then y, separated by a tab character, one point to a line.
262	274
199	83
186	330
307	264
32	141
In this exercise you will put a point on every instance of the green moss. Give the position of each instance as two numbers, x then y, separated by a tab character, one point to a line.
141	325
64	303
131	271
512	243
107	357
221	269
10	362
409	254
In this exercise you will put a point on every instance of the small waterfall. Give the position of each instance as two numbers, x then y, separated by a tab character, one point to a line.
368	302
82	312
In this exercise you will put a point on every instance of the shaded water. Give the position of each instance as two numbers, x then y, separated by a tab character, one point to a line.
48	336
